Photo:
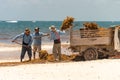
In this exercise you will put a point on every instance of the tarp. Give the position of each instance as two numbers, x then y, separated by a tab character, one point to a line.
116	40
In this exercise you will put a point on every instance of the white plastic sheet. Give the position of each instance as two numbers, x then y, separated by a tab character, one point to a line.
116	40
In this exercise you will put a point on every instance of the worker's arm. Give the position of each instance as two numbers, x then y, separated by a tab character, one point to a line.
18	36
61	32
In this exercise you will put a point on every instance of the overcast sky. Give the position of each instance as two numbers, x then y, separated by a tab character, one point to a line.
52	10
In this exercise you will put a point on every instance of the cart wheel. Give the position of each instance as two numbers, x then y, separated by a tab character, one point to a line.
91	54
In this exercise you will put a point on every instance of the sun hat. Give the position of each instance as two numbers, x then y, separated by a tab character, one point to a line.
37	28
27	29
52	27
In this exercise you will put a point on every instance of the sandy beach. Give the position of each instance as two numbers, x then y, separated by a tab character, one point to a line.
11	68
87	70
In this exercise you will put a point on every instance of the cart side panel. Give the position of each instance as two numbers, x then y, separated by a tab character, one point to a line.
91	37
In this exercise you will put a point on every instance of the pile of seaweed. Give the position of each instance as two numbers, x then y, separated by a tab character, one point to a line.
67	23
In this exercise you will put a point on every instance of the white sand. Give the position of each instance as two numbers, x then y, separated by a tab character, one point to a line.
87	70
9	49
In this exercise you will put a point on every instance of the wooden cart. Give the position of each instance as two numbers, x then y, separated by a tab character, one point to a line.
93	44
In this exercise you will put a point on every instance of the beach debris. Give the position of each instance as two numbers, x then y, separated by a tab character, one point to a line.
78	58
67	23
64	57
90	25
43	54
50	58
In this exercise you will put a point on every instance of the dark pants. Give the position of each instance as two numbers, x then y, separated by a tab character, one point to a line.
29	51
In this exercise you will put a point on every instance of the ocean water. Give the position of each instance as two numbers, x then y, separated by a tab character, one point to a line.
9	29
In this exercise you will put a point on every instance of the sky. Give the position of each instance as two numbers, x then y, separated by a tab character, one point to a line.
57	10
